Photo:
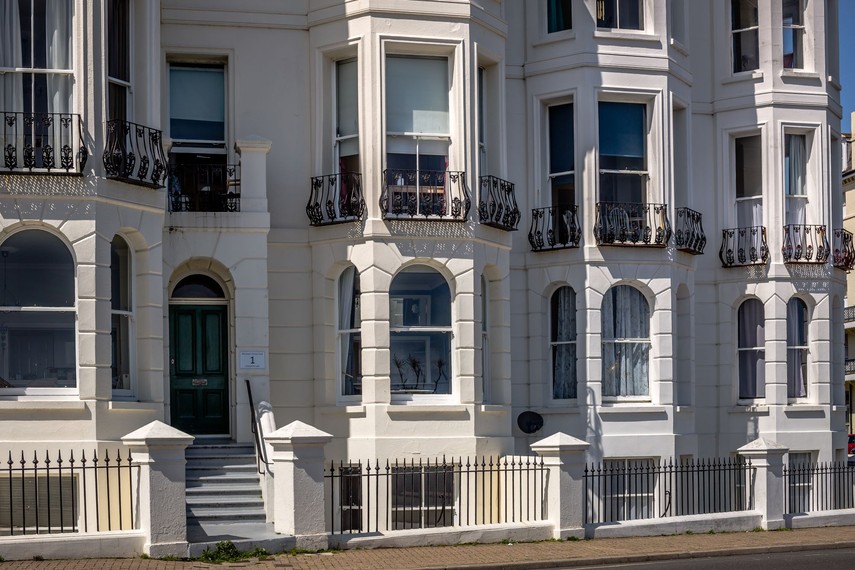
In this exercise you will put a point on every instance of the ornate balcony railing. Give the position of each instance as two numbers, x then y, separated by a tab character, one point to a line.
848	314
744	246
850	366
42	143
204	188
633	224
336	198
843	255
689	234
425	195
805	244
497	204
134	153
554	228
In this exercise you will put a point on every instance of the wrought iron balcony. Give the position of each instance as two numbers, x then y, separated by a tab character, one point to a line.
435	195
633	224
42	143
843	255
850	366
848	314
554	228
744	246
134	153
497	204
805	244
336	198
689	235
204	188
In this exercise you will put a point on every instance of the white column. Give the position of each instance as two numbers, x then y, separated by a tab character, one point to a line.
564	457
768	457
298	468
253	173
159	451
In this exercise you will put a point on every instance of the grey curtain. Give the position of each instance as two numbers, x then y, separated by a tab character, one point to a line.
11	86
58	50
563	341
752	355
626	342
795	176
347	322
796	348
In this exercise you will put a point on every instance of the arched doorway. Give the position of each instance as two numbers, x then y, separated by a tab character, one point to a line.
198	357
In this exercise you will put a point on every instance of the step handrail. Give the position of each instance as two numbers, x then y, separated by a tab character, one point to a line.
260	450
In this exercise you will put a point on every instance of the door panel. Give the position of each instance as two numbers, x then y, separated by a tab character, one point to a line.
198	369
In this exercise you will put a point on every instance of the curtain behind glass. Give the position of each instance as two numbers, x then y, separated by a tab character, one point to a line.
347	106
795	175
749	181
417	95
626	344
559	15
348	320
58	52
752	362
796	355
11	86
197	103
563	337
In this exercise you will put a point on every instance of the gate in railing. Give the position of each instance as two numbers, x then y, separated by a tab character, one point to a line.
634	489
68	493
810	487
396	495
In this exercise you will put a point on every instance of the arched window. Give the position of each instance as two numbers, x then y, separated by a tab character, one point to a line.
38	347
797	348
198	287
350	341
121	311
420	313
626	342
562	343
751	348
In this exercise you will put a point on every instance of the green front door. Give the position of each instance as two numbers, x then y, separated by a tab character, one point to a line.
198	369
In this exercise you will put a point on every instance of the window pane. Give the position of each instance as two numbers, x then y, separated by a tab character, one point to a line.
416	94
678	20
743	14
120	275
121	361
421	362
630	15
746	51
559	15
749	167
796	322
752	383
622	136
607	13
119	54
351	365
420	297
38	271
564	371
625	314
347	99
563	315
618	187
197	103
561	152
752	324
38	350
795	165
625	369
198	287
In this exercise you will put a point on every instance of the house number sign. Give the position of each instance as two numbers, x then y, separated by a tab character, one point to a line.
253	360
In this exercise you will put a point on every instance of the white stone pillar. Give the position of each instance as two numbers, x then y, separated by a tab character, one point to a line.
298	468
564	457
253	173
159	450
768	457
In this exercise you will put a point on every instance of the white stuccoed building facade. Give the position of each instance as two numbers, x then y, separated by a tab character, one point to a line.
401	316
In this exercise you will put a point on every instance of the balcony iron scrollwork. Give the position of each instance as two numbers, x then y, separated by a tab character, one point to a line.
805	244
497	204
134	153
554	228
850	366
204	188
744	246
433	195
848	314
633	224
689	233
42	143
843	256
335	199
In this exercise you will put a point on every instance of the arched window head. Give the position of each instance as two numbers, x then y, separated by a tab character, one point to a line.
626	342
751	324
121	312
562	343
198	287
797	348
38	346
420	314
350	339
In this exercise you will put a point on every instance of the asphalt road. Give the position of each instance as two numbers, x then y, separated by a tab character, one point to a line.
827	559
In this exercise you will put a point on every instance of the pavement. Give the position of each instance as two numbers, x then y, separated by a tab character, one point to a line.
516	556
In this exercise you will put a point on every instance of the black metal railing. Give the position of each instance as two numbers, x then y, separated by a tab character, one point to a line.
743	246
42	143
554	228
71	493
689	233
255	427
204	188
374	497
134	153
425	195
635	489
843	254
497	204
628	223
336	198
850	366
805	244
810	487
849	314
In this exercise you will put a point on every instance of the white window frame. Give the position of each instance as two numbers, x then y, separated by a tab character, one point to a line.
747	400
131	321
486	378
343	333
802	44
641	16
551	176
805	350
553	344
629	340
733	34
651	156
735	174
126	85
336	138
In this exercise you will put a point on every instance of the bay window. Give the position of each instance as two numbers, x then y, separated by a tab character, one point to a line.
751	325
626	342
562	343
420	326
795	178
350	338
744	32
623	145
797	348
794	33
38	348
749	181
121	315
